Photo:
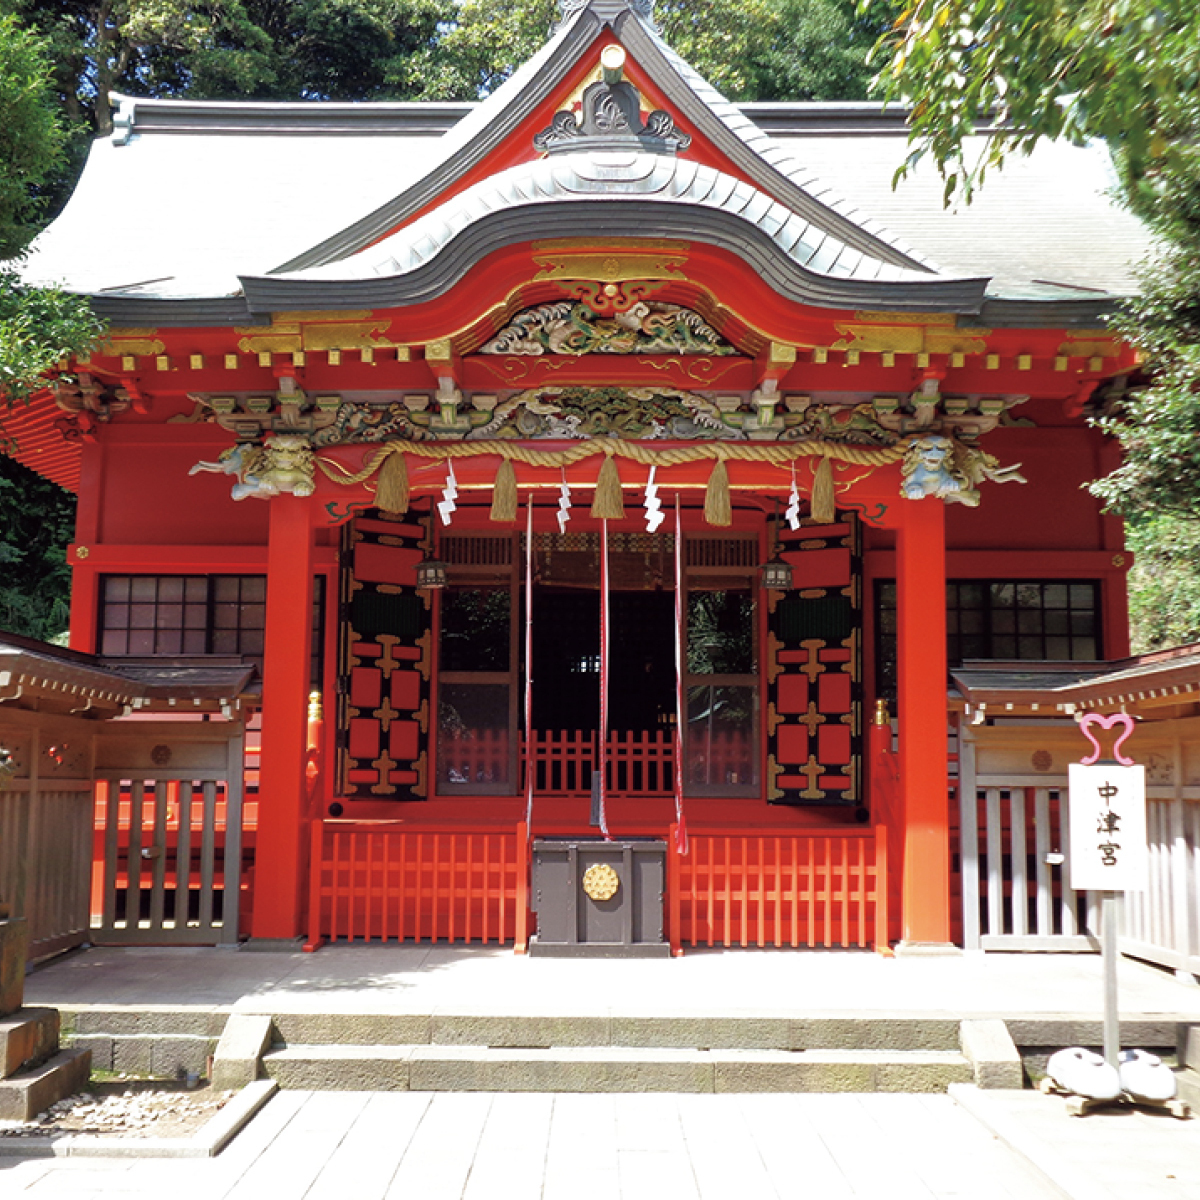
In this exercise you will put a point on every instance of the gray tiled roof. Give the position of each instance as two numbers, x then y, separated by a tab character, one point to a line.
210	210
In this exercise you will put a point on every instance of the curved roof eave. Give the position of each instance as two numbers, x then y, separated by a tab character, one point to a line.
615	177
613	216
479	133
767	164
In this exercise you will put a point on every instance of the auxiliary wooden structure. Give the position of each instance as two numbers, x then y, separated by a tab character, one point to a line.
389	387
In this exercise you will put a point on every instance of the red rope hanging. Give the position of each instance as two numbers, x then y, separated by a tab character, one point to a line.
681	835
602	747
529	668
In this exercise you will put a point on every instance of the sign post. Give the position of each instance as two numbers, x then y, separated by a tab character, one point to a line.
1108	845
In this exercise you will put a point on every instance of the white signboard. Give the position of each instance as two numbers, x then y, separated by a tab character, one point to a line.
1108	828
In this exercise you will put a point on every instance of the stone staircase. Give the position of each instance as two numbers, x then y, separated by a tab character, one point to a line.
34	1072
1188	1075
489	1051
448	1052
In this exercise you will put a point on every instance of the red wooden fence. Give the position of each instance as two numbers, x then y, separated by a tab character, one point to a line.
779	888
389	881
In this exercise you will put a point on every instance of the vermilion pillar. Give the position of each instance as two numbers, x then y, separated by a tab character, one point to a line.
923	714
84	583
286	653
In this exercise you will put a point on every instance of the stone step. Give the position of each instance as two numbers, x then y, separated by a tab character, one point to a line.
427	1067
1188	1082
166	1041
27	1037
689	1032
33	1091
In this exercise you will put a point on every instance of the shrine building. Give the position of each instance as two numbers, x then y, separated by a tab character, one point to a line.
603	462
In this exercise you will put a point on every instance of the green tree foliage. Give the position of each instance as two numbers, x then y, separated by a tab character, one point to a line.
749	50
31	137
1164	585
38	328
35	580
231	49
1128	72
414	49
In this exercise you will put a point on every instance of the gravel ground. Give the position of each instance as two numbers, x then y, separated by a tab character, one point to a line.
126	1108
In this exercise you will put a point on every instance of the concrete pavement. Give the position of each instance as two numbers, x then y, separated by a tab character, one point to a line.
423	978
312	1145
481	1146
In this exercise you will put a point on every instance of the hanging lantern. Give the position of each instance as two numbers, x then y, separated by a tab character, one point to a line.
431	574
776	574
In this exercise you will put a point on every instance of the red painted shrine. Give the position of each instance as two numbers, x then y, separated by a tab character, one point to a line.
593	357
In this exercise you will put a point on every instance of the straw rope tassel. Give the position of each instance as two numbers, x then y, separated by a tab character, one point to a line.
504	493
824	504
717	507
391	493
608	503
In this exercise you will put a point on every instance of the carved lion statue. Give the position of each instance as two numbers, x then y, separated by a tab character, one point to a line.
937	465
283	464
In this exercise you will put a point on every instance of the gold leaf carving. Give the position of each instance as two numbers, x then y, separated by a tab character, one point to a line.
957	341
131	347
347	335
272	343
624	258
899	318
275	327
305	317
1099	349
896	339
902	339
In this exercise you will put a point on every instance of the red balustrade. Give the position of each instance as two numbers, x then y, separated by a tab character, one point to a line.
387	881
770	888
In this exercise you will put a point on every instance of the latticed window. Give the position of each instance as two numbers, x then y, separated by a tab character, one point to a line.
149	616
1048	620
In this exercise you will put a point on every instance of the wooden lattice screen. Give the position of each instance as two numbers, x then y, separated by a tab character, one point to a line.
386	645
814	669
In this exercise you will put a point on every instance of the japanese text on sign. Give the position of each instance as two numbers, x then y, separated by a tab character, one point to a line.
1108	827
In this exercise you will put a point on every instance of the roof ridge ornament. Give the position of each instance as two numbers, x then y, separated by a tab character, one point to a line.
606	10
611	118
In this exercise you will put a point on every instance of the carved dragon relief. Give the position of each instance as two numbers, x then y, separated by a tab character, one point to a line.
630	413
276	436
570	328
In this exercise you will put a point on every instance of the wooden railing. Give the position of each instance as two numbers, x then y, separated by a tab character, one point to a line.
387	881
779	888
640	764
1162	924
45	860
168	856
1016	893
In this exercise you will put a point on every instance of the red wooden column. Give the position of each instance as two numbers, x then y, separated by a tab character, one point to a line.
924	783
278	911
85	585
